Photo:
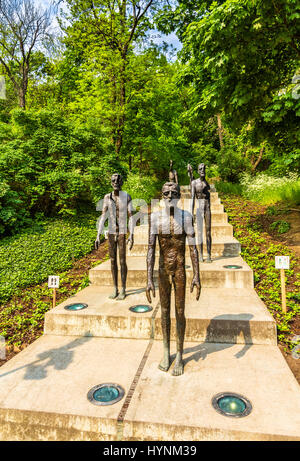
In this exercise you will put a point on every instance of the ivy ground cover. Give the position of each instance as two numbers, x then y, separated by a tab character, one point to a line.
259	248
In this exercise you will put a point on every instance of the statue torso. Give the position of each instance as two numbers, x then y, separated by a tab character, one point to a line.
201	189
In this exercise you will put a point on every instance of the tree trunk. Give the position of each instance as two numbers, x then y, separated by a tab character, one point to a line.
254	163
22	98
220	130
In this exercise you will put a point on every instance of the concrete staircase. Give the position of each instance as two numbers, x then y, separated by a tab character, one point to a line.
230	345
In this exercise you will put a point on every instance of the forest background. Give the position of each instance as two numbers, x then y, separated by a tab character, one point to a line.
89	92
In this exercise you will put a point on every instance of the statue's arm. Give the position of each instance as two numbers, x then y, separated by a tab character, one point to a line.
193	198
151	257
190	231
190	173
102	222
130	223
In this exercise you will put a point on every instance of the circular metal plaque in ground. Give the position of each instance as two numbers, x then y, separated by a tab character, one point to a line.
231	404
105	394
233	266
140	308
76	307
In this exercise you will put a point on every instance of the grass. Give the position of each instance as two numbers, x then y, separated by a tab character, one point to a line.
228	188
289	193
266	190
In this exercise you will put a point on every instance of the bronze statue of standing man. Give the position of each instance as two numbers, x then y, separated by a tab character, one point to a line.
172	226
173	176
117	206
201	192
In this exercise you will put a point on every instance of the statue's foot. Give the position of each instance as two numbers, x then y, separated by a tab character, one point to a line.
122	295
114	294
164	364
209	260
201	259
178	367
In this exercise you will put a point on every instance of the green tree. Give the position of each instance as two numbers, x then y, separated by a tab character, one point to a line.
23	30
105	34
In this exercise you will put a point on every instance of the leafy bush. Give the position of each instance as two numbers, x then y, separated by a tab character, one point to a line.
231	163
141	187
280	226
229	188
269	189
49	165
30	257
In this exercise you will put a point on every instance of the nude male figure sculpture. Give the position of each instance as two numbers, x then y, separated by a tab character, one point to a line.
172	226
201	193
173	177
118	205
190	173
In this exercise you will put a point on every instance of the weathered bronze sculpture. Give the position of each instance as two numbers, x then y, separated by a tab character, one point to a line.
172	226
173	177
191	176
117	205
201	192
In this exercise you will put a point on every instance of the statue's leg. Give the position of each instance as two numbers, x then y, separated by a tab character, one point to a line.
165	302
199	218
179	281
123	265
112	246
208	232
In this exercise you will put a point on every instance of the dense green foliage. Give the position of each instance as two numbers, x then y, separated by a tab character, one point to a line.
105	98
265	189
51	166
48	248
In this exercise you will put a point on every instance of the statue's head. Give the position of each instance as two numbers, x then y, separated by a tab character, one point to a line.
171	193
201	170
116	181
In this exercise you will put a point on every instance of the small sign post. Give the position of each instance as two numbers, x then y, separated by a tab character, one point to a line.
53	282
282	263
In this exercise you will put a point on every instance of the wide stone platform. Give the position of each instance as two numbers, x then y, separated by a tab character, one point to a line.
43	392
241	317
219	230
213	275
221	247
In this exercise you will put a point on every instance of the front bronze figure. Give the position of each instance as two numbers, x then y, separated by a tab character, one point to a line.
117	205
173	177
201	192
172	226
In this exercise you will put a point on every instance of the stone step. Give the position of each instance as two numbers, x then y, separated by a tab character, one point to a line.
214	197
213	275
216	218
186	188
223	230
241	317
43	392
222	247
